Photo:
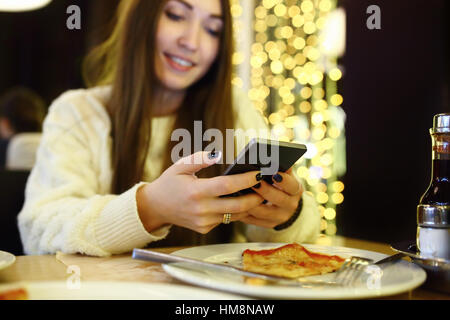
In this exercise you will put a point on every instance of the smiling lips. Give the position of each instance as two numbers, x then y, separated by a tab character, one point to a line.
178	63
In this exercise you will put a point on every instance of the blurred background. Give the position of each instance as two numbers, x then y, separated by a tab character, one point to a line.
362	99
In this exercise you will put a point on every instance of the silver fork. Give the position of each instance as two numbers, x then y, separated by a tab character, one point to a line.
351	270
154	256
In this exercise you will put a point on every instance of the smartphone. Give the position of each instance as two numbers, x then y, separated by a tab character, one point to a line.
267	156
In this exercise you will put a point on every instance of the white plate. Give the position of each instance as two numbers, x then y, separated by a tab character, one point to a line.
116	291
6	259
375	281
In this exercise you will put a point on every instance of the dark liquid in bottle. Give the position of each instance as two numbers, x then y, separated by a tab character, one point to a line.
438	193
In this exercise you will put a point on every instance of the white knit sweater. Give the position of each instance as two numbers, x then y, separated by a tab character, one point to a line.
68	202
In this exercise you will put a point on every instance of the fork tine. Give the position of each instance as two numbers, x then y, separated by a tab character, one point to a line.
351	270
352	267
343	269
343	272
358	266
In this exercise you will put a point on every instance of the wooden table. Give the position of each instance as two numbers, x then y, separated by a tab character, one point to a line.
124	268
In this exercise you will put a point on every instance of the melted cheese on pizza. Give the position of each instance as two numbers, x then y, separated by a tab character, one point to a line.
291	260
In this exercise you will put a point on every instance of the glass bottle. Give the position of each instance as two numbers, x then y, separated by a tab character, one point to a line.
433	211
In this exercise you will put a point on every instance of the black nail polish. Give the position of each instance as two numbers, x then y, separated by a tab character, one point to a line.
257	186
213	155
277	178
259	177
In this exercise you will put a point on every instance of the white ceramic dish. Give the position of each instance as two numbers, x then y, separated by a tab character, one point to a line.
6	259
116	291
375	281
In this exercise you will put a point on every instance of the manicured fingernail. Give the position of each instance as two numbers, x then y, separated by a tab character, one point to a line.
259	176
257	186
277	178
214	155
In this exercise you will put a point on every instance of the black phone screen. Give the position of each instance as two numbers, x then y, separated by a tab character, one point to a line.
268	156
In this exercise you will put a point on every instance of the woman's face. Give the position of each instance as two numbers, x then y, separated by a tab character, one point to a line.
187	41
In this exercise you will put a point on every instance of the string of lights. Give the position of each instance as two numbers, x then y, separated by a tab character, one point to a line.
293	80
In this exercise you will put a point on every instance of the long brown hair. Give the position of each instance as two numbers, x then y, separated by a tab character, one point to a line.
126	61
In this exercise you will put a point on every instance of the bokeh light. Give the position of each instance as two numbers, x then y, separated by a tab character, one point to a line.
294	84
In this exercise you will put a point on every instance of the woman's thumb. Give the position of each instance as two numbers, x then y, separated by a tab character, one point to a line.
197	161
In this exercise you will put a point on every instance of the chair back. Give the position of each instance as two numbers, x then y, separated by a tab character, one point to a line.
12	195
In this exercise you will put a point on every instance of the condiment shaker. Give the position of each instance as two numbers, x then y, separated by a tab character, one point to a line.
433	211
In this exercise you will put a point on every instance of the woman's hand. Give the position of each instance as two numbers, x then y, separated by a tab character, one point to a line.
282	200
179	197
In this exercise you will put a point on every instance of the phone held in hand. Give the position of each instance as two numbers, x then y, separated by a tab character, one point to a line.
267	156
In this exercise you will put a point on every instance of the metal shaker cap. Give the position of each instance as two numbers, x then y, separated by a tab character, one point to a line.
441	123
434	216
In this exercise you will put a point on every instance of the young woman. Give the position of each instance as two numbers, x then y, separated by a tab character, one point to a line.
104	182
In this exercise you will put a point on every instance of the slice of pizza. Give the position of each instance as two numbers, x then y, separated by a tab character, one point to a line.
14	294
291	261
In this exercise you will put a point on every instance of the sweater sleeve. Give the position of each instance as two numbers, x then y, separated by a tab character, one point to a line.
307	226
66	207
